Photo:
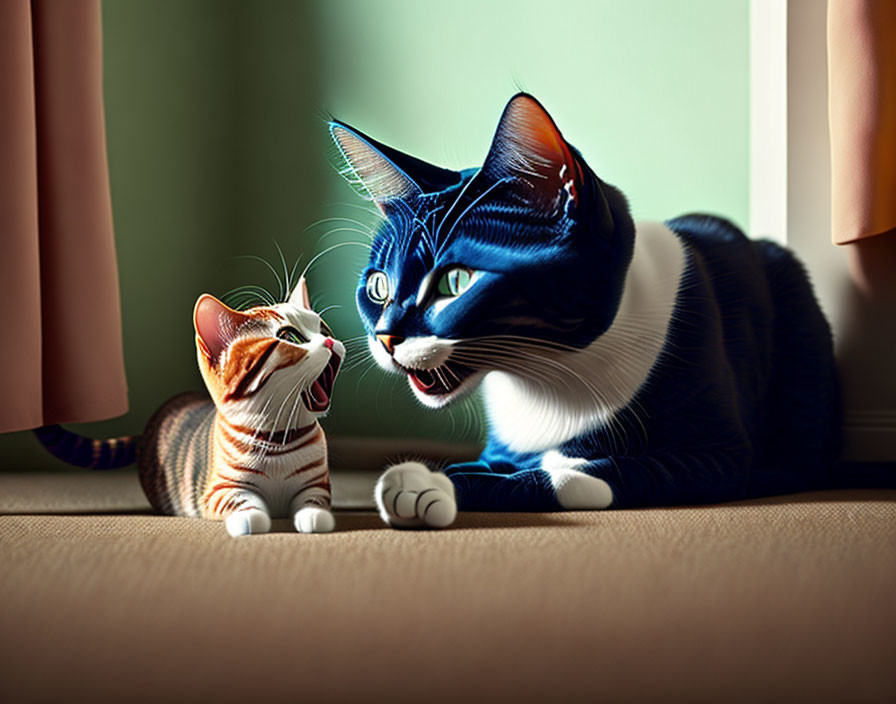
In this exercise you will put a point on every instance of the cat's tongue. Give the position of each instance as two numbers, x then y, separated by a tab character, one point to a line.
444	380
424	380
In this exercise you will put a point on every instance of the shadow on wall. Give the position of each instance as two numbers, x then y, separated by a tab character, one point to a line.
866	361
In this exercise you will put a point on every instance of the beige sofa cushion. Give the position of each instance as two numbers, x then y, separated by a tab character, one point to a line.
791	598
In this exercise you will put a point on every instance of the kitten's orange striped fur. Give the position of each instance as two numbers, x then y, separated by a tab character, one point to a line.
254	450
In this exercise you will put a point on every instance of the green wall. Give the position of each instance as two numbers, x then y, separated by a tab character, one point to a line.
217	145
655	93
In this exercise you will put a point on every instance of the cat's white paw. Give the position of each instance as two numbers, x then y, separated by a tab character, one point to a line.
575	489
314	519
409	495
247	522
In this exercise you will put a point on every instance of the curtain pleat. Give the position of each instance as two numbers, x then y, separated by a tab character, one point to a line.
862	108
61	352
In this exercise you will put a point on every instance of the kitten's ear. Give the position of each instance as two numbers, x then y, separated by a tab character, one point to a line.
385	175
299	297
529	150
215	325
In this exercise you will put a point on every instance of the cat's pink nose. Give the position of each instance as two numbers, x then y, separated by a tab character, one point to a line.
390	341
328	343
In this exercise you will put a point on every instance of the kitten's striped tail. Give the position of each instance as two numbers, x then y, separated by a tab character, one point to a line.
87	452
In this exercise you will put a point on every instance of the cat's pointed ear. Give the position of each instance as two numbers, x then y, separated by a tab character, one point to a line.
299	297
215	325
529	151
383	174
368	170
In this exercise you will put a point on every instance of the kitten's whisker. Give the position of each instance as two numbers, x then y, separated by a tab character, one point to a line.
286	285
271	268
295	407
366	372
292	272
241	295
298	383
357	362
262	417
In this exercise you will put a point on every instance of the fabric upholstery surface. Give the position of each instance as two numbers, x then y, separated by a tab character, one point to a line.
58	273
791	598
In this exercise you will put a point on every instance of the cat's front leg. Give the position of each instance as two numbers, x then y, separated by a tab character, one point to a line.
574	488
675	478
555	482
550	482
410	495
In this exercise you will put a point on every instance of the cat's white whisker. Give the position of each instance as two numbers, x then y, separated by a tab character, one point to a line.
456	201
337	230
476	201
365	230
329	249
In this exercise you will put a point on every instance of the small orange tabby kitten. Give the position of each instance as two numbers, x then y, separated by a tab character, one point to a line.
255	450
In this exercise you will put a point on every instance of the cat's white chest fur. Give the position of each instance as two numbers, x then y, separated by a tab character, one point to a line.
592	385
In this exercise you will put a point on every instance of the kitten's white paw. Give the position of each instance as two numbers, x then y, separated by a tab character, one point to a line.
409	495
314	519
247	522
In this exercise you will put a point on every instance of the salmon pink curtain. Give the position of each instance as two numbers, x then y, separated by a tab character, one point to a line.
862	107
60	353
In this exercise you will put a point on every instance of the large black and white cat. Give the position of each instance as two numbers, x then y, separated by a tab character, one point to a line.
622	363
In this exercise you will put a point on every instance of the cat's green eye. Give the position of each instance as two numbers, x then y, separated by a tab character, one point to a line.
290	334
378	287
455	281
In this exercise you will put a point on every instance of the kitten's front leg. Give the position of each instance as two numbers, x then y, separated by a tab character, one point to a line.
244	512
311	510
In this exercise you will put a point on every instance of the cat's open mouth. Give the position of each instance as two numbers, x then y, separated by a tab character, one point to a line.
317	396
439	381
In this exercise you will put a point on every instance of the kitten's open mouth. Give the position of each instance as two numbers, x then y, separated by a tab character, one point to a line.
317	396
439	381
